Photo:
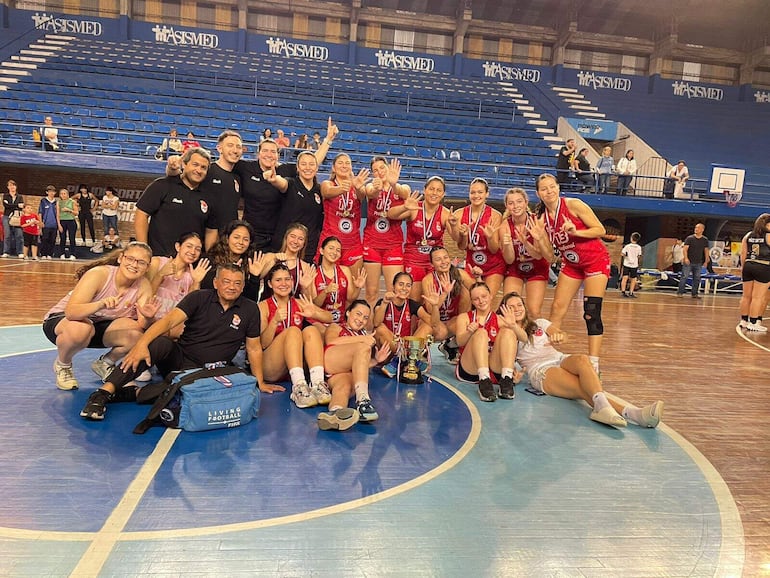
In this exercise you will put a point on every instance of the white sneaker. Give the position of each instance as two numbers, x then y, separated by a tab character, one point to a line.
652	414
79	242
65	378
89	243
756	327
320	391
63	257
301	396
5	255
743	324
608	416
102	367
21	256
72	257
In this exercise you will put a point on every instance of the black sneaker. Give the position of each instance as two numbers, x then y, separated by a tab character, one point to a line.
487	390
451	353
507	390
124	394
96	406
366	411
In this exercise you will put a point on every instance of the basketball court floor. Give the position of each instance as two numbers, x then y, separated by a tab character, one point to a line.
442	485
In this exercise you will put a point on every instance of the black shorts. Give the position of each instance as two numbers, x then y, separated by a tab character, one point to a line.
30	240
632	272
463	375
97	341
753	271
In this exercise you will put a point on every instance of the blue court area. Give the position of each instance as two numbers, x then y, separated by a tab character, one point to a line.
442	484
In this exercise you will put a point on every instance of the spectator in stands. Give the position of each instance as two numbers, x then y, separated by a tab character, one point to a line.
87	202
679	174
176	205
575	230
109	307
565	160
282	140
696	253
190	142
604	169
262	201
50	135
315	144
171	144
13	204
626	169
49	217
755	257
302	143
267	134
109	205
67	213
583	171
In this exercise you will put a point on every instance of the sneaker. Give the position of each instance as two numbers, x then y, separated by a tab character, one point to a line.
72	257
22	256
487	390
63	257
89	243
449	352
756	327
301	396
320	391
339	419
35	258
146	375
65	378
366	411
5	255
632	295
127	393
102	367
623	294
743	324
96	406
652	414
507	390
696	296
680	294
391	368
608	416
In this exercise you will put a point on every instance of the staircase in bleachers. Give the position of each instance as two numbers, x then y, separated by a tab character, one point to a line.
122	98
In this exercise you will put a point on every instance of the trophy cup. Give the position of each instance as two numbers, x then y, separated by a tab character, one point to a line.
412	348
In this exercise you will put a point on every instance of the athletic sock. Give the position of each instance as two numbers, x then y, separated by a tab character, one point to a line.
483	373
362	390
507	372
753	319
600	401
595	362
317	374
633	413
296	374
745	317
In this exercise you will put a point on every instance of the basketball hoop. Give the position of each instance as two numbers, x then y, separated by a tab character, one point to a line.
732	198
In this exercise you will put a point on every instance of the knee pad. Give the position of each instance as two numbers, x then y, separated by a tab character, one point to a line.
592	313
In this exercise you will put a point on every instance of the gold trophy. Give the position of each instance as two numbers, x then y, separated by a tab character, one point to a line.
412	348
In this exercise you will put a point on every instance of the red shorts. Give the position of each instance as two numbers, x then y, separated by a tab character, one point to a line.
599	265
392	256
418	271
529	270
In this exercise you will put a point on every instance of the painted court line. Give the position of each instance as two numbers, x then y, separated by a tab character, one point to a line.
743	336
105	539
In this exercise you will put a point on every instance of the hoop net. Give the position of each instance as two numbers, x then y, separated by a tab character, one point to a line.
732	198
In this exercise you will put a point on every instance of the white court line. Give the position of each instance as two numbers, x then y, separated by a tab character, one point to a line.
104	541
744	337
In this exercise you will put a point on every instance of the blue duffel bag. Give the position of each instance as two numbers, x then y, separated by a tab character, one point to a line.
201	400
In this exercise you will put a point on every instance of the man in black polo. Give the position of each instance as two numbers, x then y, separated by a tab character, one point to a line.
261	200
171	206
564	162
216	322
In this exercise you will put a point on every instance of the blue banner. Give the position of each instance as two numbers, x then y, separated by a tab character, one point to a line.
693	91
50	22
593	129
505	71
300	49
414	61
183	36
588	80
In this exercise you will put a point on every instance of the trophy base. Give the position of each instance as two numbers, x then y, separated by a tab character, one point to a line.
411	377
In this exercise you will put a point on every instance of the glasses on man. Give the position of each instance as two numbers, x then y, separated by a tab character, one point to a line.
129	260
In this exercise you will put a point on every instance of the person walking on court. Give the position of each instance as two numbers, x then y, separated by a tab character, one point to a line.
696	254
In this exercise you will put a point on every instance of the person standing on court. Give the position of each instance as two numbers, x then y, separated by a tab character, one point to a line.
696	254
176	205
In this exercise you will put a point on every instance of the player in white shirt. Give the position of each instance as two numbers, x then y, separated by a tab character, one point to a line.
631	255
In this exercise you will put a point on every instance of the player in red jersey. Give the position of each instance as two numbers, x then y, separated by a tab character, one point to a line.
336	286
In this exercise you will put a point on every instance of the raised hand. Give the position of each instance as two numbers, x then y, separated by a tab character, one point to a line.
359	281
308	277
257	263
361	178
149	308
489	230
431	297
306	307
270	175
382	353
394	171
199	272
389	296
536	228
331	129
377	184
412	202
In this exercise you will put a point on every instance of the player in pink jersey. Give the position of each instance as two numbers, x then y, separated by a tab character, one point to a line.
576	232
426	223
383	236
288	341
474	226
342	195
525	248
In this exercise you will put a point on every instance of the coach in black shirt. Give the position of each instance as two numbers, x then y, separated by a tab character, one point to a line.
171	206
217	321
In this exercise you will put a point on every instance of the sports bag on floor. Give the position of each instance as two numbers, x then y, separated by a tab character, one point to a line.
201	400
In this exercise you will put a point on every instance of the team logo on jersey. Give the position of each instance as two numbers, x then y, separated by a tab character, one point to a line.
317	198
236	186
538	332
525	267
345	225
236	322
382	225
571	256
336	315
424	249
479	257
204	207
